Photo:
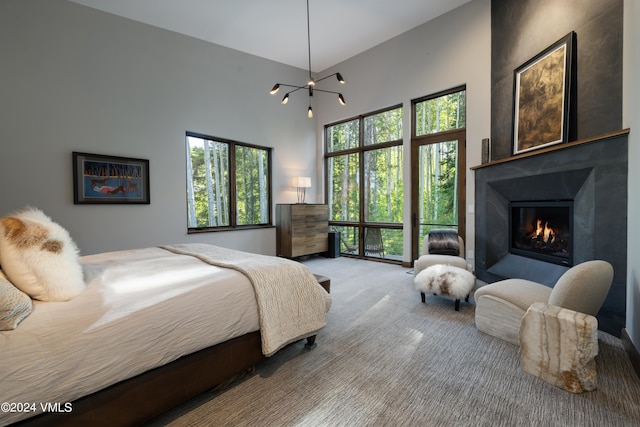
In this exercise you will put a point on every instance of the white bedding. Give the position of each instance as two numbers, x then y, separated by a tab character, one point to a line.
291	303
123	324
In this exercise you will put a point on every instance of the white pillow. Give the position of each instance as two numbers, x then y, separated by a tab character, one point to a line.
39	257
15	305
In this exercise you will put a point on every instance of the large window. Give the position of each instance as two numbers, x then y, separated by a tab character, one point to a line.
228	184
438	148
364	183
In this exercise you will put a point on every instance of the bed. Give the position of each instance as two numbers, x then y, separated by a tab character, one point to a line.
153	328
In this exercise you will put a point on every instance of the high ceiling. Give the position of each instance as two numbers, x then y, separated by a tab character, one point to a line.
277	29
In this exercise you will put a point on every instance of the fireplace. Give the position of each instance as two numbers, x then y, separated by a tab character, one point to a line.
542	230
590	173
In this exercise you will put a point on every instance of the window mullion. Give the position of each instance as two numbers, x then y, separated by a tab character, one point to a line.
233	189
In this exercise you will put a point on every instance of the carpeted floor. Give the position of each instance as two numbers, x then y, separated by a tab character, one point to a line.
386	359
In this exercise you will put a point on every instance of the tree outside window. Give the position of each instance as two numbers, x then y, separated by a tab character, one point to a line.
228	184
364	163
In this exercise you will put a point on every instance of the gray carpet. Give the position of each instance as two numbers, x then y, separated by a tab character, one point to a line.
386	359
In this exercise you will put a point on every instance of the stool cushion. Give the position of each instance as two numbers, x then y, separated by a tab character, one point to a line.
445	280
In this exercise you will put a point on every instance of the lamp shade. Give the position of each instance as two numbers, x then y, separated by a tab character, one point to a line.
302	182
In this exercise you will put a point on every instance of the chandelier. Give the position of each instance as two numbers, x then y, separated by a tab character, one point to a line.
311	84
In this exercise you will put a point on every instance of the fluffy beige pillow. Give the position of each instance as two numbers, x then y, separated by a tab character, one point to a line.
39	257
15	305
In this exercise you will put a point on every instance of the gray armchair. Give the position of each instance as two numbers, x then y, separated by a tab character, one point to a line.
500	306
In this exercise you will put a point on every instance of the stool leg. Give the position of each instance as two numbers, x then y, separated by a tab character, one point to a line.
423	296
457	304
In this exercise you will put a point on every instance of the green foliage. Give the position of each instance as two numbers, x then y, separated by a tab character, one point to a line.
209	183
209	174
438	189
343	136
438	183
344	191
384	193
446	112
383	127
252	186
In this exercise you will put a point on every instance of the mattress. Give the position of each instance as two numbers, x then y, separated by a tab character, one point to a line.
141	309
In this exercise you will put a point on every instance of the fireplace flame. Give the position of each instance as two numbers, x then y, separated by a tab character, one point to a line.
542	236
545	232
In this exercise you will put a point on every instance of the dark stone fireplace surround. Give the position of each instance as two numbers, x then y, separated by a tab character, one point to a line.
592	173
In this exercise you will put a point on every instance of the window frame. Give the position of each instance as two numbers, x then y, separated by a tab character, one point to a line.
440	94
361	224
232	190
460	134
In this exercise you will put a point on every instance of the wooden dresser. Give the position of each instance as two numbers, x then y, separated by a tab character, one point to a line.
301	229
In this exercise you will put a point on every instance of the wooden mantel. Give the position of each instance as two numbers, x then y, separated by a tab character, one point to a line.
554	148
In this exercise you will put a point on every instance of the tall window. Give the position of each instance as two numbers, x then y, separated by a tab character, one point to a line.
438	147
365	185
228	184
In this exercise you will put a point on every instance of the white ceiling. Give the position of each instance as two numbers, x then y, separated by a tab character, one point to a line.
277	29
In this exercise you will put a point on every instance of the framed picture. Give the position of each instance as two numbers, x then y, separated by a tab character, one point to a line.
109	179
543	94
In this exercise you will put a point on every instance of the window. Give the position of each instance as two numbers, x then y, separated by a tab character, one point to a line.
365	183
228	184
440	113
438	153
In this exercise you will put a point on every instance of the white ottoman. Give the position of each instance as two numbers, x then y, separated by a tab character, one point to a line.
445	280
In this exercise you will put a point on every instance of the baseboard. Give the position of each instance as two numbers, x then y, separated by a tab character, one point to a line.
632	351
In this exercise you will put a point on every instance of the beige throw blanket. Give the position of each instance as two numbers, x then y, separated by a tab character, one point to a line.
291	303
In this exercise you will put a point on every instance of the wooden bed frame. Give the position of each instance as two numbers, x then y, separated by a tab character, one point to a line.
141	398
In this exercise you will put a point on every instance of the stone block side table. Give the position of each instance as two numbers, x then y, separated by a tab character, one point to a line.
559	346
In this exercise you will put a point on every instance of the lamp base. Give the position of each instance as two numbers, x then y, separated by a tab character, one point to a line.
302	192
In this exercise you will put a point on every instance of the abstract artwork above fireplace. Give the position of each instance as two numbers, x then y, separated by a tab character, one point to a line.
592	175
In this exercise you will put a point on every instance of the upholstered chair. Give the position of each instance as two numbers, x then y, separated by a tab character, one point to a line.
500	306
426	259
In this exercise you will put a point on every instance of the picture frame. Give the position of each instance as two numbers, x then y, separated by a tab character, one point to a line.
103	179
543	97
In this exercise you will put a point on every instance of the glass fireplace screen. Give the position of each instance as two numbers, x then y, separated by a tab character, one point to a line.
543	230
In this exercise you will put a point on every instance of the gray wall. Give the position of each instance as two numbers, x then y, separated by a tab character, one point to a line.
77	79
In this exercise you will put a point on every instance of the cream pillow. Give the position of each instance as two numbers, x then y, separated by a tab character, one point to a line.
15	305
39	257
